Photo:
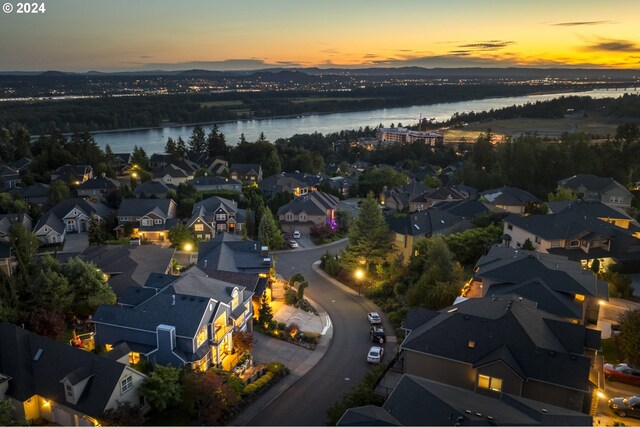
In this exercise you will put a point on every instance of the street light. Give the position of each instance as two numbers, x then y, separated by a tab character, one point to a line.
359	275
134	175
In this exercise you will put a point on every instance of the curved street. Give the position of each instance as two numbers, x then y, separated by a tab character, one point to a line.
344	364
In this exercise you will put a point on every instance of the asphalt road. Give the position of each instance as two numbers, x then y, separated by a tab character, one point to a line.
617	389
344	364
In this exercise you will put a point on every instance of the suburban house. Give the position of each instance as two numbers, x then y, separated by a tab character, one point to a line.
159	160
399	198
216	165
68	216
340	184
6	220
593	188
151	218
255	283
510	199
282	183
246	172
303	212
36	194
504	344
188	322
172	174
465	210
407	229
582	232
228	252
152	189
9	177
128	266
73	174
97	188
120	161
420	401
215	215
216	183
22	165
61	384
430	198
558	285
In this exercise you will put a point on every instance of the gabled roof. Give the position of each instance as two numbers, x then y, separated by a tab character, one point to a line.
35	190
67	171
50	220
280	183
509	196
141	207
441	193
252	282
592	183
462	208
129	265
11	218
99	184
214	180
516	266
245	168
152	186
196	283
229	252
63	207
581	208
419	401
313	203
19	350
421	223
212	204
173	171
540	348
184	312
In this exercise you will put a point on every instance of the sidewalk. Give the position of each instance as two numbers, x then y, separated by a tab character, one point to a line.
298	359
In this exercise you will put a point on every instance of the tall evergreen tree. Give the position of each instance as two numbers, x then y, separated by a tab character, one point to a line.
269	232
265	314
369	236
216	143
197	142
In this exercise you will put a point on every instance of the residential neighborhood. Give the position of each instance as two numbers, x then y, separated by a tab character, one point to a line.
462	305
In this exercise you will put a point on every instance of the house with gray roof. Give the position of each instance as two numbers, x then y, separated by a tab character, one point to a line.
580	234
172	174
151	218
36	194
303	212
558	285
283	183
73	174
9	177
216	183
408	228
68	216
229	252
48	380
129	266
153	189
96	189
505	344
6	258
188	321
399	198
6	220
246	172
420	401
215	215
594	188
509	199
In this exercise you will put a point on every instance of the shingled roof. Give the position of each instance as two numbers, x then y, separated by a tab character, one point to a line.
426	222
509	196
535	344
313	203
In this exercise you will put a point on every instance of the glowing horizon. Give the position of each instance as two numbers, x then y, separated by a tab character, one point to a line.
81	35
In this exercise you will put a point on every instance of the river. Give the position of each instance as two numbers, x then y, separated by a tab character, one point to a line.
153	140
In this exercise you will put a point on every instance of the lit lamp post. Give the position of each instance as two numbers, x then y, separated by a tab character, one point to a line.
359	275
188	247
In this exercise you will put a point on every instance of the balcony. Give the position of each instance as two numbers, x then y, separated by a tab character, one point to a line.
220	332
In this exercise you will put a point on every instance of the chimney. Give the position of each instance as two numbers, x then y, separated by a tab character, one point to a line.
173	300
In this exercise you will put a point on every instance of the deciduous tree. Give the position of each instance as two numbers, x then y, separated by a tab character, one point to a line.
630	336
162	387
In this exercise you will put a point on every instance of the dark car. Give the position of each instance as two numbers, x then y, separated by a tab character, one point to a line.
625	407
622	373
377	334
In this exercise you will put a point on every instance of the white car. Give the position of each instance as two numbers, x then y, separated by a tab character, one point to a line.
375	354
296	234
293	244
374	318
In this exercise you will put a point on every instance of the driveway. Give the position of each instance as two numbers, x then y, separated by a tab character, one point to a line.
76	242
614	389
612	309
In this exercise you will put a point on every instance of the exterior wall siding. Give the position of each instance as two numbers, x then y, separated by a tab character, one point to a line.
437	369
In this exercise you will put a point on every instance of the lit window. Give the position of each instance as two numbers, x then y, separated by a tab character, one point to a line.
221	217
126	384
202	336
490	383
199	227
471	344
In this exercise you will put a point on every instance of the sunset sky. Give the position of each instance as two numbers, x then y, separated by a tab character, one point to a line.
82	35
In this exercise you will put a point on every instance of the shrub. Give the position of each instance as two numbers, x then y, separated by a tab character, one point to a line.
290	297
273	324
277	369
332	266
282	326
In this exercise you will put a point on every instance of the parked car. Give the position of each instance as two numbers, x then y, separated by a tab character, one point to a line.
377	334
293	244
374	318
625	407
375	354
296	234
622	373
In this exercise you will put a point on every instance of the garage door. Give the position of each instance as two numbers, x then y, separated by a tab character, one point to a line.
62	417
